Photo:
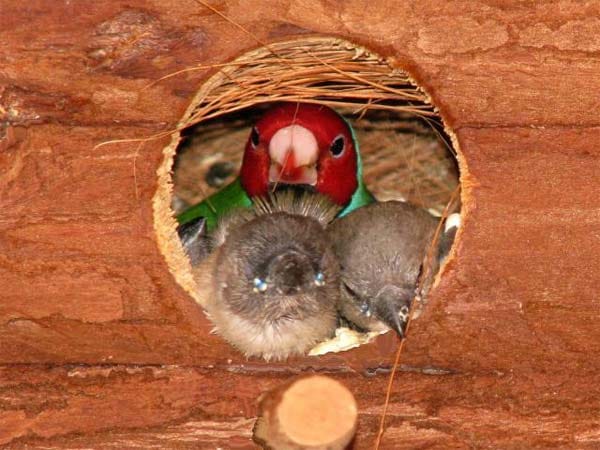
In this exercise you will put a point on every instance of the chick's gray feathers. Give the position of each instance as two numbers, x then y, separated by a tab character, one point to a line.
292	202
273	278
380	248
316	206
286	252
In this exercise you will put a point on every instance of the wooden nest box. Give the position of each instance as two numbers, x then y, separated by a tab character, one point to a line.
101	341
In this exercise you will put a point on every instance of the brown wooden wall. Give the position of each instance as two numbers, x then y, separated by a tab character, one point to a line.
99	347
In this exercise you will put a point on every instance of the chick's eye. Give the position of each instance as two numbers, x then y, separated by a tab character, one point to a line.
320	279
254	137
337	146
260	285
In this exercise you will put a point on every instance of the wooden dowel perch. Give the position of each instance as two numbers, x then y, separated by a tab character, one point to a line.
312	412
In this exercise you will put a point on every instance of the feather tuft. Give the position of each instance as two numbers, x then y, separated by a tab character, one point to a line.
302	203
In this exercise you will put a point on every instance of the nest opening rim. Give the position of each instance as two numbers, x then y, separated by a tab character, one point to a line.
203	107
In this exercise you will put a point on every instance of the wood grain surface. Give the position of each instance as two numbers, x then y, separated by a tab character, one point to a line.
100	348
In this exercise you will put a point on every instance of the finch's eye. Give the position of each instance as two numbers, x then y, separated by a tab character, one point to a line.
337	146
254	137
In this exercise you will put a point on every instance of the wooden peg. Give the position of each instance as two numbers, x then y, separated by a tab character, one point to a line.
312	412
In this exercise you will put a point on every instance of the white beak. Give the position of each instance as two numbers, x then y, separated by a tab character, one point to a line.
294	152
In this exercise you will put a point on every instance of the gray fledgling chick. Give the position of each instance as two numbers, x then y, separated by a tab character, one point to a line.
380	248
272	283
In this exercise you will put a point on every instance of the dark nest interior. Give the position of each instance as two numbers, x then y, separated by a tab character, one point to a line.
405	150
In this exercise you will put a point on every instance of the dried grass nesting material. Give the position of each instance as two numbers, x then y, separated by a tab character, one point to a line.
396	126
402	156
327	71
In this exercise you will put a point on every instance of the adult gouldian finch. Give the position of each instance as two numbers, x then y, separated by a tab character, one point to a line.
305	145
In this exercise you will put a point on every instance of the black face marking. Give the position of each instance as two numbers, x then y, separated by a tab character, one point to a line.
338	146
254	137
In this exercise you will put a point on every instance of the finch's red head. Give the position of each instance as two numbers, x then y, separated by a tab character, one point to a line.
301	143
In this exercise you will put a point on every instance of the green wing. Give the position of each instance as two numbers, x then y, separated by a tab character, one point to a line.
212	208
361	196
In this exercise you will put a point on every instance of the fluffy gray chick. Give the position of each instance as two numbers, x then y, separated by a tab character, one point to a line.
271	285
380	248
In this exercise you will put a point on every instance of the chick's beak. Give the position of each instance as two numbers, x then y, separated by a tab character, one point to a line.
392	306
294	152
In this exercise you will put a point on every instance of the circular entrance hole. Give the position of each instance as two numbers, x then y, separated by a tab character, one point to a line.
405	150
